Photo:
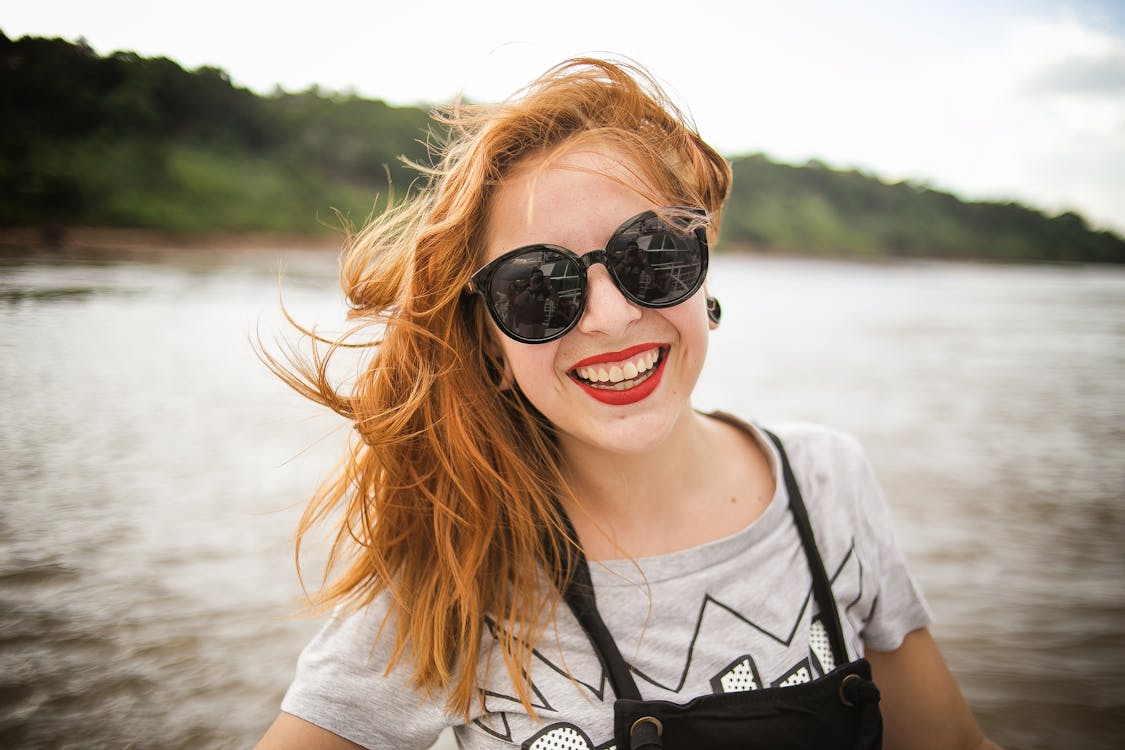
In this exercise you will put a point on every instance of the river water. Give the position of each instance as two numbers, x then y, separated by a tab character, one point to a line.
152	473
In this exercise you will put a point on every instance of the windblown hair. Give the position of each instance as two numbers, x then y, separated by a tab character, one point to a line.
446	499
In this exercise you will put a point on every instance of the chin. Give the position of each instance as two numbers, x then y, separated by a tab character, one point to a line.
628	432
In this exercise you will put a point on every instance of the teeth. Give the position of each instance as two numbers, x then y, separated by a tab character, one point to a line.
620	374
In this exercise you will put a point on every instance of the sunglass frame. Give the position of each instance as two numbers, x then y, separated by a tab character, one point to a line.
482	278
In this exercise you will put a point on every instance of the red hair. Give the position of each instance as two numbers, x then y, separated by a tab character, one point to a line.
446	501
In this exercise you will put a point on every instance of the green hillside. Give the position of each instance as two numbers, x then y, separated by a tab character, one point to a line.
124	141
818	210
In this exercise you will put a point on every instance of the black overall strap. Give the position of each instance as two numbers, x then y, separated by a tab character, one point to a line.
822	588
579	592
579	596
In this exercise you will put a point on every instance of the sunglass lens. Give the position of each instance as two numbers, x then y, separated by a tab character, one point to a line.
655	262
535	295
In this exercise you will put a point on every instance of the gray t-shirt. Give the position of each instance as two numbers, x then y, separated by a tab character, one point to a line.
733	614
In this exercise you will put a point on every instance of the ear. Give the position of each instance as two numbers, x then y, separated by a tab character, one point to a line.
714	312
507	379
498	367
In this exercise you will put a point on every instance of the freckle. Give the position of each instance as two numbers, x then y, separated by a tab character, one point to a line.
734	499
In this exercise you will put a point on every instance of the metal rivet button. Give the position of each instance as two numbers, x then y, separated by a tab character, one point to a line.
844	693
647	720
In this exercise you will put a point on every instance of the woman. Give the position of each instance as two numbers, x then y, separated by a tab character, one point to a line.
540	543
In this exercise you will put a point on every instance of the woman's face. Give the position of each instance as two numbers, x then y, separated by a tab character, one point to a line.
575	203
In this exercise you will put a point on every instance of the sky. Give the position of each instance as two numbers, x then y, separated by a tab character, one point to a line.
992	100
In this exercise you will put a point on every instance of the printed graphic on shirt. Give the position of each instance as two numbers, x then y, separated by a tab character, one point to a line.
820	648
564	737
798	675
740	675
716	623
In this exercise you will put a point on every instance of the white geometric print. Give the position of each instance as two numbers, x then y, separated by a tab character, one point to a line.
820	647
798	675
560	737
740	676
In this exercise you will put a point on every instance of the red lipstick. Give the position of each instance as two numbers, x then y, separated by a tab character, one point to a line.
620	356
612	396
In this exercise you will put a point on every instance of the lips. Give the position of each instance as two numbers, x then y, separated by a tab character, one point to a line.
621	372
619	378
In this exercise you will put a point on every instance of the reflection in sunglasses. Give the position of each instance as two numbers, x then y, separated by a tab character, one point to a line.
537	293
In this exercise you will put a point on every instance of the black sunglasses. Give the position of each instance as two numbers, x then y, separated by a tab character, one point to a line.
537	293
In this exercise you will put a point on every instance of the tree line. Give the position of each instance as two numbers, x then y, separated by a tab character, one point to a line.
127	141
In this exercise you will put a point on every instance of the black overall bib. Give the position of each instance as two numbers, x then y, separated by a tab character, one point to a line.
838	710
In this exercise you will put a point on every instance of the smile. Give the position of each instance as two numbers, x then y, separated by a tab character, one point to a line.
622	377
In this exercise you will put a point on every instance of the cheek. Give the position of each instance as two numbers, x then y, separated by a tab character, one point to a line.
690	322
532	366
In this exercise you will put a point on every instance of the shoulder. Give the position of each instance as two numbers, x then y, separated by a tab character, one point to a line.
816	453
345	683
819	440
822	456
797	436
836	481
829	465
351	640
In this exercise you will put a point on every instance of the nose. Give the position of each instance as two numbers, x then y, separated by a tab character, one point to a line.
607	311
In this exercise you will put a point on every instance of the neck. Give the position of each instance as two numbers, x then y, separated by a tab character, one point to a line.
631	503
702	480
598	472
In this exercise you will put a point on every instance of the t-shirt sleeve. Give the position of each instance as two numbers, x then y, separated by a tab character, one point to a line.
900	606
341	685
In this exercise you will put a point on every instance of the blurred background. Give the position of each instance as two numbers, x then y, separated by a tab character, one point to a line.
923	248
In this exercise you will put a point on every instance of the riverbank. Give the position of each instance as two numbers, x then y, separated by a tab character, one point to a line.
115	243
146	241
